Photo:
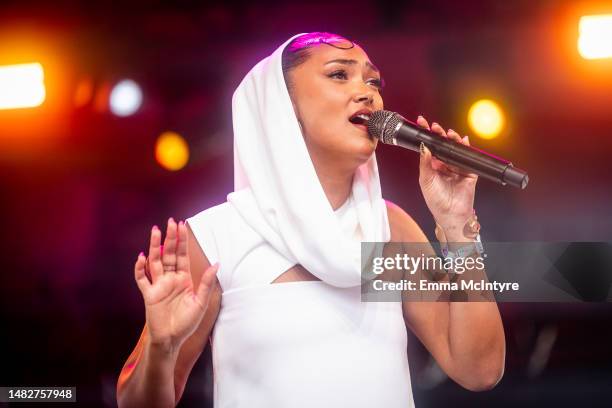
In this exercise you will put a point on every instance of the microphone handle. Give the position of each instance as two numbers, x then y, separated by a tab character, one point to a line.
410	135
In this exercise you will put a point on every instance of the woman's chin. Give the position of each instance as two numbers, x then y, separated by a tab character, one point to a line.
363	147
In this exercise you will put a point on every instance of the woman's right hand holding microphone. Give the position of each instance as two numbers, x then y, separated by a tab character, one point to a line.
174	307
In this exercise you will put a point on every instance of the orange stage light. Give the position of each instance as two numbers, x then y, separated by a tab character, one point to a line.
171	151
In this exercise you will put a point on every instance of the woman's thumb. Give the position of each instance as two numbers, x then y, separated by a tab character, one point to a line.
426	173
206	283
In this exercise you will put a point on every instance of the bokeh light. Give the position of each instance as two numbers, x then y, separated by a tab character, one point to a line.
21	86
486	118
83	93
595	36
125	98
171	151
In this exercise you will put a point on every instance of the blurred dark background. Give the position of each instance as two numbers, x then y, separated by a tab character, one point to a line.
81	186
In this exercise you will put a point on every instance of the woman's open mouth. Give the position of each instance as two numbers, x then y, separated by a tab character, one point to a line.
360	120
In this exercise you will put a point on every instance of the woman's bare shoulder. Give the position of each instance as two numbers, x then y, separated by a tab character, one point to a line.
403	227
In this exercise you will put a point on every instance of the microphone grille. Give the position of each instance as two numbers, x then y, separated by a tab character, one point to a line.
382	124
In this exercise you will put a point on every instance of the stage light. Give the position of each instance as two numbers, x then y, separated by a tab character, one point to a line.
486	118
595	36
171	151
125	98
21	86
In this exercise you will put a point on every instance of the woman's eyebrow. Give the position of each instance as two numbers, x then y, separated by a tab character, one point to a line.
353	62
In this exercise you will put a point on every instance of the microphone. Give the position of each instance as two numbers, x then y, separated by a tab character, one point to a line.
392	128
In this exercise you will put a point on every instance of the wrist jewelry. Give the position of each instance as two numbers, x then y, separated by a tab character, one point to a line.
471	230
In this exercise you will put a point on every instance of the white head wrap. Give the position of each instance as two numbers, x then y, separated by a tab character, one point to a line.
276	188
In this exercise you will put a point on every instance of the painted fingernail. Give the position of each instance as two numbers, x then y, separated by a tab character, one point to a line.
141	254
155	228
170	219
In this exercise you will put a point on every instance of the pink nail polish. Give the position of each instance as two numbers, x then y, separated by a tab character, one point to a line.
170	219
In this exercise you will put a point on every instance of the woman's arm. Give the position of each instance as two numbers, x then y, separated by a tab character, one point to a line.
154	373
465	338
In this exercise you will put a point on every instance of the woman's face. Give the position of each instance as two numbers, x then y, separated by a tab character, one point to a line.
329	88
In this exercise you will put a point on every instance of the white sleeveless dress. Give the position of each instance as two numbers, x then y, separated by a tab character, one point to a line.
297	344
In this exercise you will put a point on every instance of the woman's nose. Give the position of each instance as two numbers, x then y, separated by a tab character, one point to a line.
361	97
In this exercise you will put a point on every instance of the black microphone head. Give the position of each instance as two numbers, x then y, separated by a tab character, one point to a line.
382	125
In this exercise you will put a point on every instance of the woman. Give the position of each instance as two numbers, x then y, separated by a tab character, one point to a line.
283	290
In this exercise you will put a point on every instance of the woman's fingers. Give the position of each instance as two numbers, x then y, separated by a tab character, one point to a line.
427	160
435	127
140	274
455	136
182	261
156	268
422	122
168	256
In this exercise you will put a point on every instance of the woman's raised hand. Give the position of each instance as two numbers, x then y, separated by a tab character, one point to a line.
174	307
448	190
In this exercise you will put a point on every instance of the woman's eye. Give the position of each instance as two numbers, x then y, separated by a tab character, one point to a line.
377	82
338	74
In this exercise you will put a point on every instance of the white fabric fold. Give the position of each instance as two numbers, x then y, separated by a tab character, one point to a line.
276	188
